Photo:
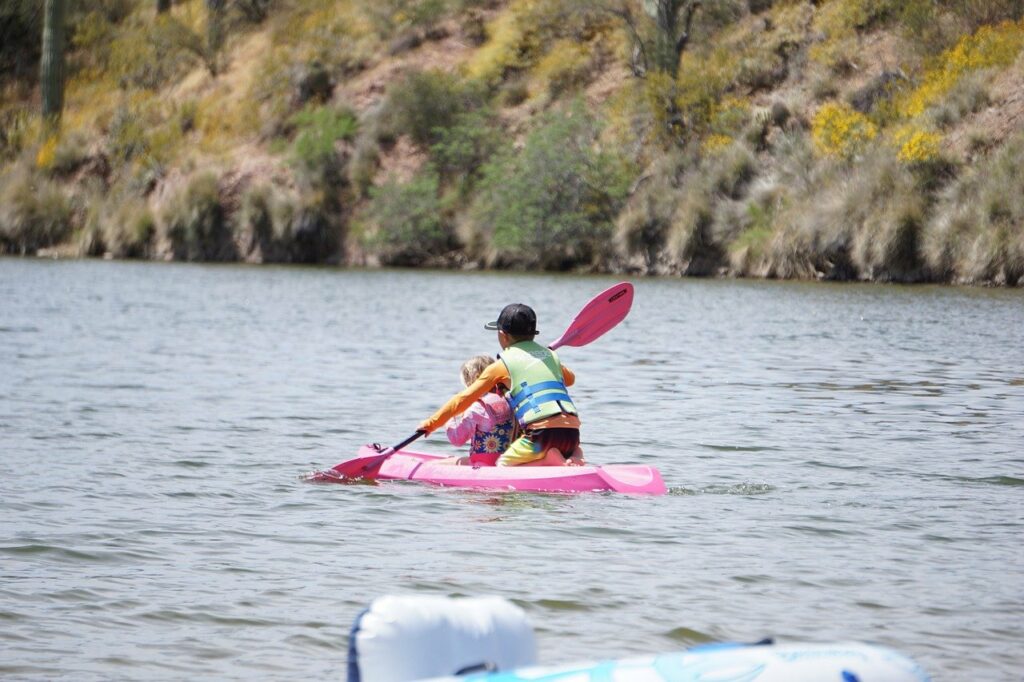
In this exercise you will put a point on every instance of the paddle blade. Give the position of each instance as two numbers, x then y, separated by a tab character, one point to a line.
603	312
360	467
351	470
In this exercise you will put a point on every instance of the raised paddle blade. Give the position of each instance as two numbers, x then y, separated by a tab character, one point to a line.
603	312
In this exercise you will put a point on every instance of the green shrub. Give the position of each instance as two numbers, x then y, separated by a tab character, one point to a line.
404	225
195	223
567	65
127	138
362	167
748	249
425	103
34	212
762	71
392	16
112	11
462	149
185	115
931	27
318	130
91	37
271	87
149	53
714	16
513	92
552	204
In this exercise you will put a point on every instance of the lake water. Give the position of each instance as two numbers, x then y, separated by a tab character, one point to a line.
844	462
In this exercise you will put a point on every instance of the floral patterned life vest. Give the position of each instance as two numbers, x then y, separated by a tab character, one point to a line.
497	440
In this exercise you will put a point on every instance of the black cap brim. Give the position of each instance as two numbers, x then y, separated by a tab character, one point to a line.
493	326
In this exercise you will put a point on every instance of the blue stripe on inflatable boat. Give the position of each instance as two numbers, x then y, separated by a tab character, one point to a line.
353	652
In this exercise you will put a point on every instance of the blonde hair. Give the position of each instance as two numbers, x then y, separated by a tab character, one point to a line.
472	368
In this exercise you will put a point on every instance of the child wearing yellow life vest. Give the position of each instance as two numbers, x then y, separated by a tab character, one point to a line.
537	392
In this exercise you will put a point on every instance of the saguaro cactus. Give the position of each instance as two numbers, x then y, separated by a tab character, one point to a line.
214	32
51	71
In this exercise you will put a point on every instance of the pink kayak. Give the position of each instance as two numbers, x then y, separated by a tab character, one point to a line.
407	465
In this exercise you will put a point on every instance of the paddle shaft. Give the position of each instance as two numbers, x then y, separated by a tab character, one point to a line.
379	459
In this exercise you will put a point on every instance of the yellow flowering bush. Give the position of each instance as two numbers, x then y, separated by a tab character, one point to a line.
47	153
841	132
566	65
702	79
659	91
915	145
512	43
989	46
221	123
715	143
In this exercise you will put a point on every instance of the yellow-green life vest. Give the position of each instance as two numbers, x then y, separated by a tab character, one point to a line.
538	388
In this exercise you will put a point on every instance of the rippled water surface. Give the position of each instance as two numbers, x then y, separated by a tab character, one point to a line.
845	462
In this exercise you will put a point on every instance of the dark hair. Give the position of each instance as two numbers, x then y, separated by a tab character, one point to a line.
516	339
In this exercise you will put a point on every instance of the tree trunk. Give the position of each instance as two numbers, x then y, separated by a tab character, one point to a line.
673	19
163	6
51	71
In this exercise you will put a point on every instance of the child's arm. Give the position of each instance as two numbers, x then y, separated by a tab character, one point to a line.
460	428
458	403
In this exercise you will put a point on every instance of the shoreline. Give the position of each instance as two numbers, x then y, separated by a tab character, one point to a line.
61	254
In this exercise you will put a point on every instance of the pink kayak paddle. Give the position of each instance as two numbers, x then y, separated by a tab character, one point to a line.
597	317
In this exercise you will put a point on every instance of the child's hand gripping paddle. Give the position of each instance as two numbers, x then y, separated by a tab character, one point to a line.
603	312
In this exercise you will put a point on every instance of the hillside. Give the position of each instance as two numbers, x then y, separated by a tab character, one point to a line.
843	139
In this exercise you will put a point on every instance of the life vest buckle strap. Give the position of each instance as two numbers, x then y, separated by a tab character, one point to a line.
525	393
535	403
